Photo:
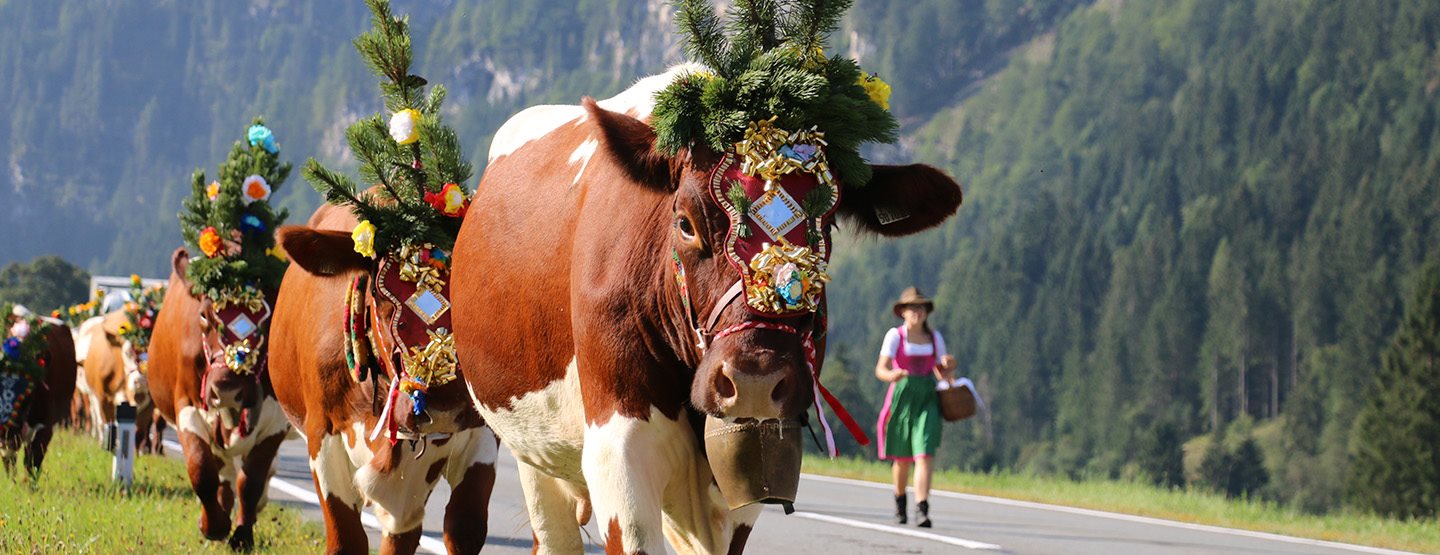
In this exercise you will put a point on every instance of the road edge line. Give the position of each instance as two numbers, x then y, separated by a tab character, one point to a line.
1121	516
962	542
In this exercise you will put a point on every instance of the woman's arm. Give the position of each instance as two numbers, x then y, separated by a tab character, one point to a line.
884	372
946	362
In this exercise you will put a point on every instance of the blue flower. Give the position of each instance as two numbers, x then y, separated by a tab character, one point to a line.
417	399
252	224
260	135
11	348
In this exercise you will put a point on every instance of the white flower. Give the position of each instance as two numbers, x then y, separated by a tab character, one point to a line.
254	188
404	126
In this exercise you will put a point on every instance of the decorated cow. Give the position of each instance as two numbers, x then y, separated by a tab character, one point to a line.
207	357
37	380
363	359
639	284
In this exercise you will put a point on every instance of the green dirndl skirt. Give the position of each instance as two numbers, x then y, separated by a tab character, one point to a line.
910	421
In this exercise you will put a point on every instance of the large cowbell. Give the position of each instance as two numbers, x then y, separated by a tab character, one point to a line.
243	333
417	281
779	237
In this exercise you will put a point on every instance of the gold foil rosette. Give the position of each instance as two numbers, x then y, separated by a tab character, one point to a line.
770	153
786	278
431	365
249	297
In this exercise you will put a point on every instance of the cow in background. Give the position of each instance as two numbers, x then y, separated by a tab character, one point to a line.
111	372
572	327
48	406
353	460
229	424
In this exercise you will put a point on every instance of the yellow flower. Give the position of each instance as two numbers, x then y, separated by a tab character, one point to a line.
134	279
364	237
212	191
878	90
210	242
278	252
124	328
405	126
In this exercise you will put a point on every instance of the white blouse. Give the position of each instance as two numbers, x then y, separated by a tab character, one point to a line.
891	346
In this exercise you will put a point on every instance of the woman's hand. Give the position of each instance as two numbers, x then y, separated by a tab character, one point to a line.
948	363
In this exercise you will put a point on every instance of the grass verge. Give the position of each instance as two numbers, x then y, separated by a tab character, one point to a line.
75	508
1180	505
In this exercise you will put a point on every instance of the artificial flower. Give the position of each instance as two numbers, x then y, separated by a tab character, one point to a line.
261	136
212	191
11	348
877	88
125	328
252	224
146	323
20	329
364	237
255	188
450	201
277	252
55	313
405	126
134	280
210	242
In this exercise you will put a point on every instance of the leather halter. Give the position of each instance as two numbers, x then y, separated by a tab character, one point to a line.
705	335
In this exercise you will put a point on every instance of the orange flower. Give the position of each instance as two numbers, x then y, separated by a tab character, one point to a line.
255	188
210	242
212	191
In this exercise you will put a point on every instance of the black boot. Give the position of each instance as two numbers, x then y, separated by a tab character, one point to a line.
923	511
900	509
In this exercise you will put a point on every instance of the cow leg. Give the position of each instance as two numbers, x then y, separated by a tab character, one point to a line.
397	485
472	479
253	483
36	447
628	464
697	518
204	469
144	417
396	543
339	499
552	511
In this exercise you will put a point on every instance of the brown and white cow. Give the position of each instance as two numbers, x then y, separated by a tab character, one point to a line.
573	334
352	463
48	406
111	372
229	424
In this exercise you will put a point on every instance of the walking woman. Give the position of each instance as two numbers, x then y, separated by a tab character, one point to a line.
909	426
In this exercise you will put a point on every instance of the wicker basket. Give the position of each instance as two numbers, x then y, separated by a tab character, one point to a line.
957	402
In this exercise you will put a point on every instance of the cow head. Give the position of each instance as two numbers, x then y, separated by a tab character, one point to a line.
397	325
233	332
753	297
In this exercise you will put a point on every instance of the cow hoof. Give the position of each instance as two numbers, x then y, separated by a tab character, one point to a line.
218	532
243	539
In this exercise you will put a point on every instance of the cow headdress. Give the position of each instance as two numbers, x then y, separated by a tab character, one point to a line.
789	123
229	226
408	220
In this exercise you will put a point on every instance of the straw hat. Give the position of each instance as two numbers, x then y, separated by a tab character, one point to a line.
913	296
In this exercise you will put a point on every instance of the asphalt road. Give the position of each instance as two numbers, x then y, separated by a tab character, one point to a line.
836	516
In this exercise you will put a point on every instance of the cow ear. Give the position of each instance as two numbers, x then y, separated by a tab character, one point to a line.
179	263
901	200
320	251
631	143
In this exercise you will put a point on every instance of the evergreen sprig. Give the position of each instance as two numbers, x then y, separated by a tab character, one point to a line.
401	175
257	263
770	64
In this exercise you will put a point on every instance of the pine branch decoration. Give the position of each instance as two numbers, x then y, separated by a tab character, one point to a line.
228	224
410	156
768	60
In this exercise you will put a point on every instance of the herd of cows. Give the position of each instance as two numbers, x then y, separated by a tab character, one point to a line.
596	332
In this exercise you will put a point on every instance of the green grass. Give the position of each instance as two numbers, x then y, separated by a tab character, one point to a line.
1180	505
75	508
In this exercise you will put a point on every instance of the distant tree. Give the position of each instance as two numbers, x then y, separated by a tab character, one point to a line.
46	283
1160	455
1396	459
1234	464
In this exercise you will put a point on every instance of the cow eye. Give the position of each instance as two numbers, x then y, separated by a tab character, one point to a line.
687	229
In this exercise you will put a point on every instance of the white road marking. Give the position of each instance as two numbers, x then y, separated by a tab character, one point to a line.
1118	516
962	542
307	496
